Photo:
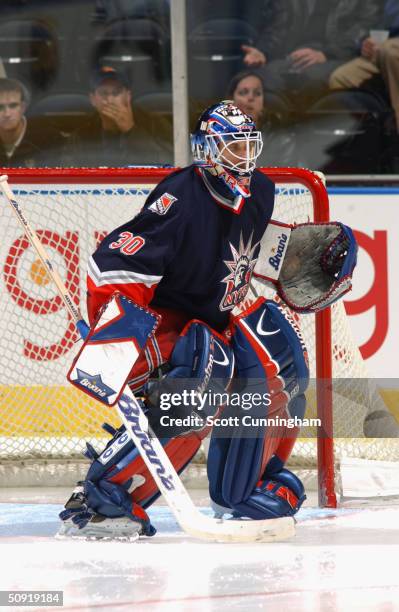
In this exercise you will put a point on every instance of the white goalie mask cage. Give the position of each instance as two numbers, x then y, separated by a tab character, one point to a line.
236	151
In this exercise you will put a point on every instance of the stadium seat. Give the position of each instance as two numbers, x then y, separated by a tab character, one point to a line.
106	11
64	111
215	55
156	109
29	50
343	133
157	102
355	100
139	47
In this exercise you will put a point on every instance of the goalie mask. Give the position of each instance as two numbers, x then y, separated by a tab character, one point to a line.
226	142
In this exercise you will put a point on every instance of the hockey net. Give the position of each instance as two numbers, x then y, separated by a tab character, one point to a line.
44	422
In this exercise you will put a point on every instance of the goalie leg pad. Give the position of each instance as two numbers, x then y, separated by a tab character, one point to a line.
268	351
121	463
282	448
274	497
118	483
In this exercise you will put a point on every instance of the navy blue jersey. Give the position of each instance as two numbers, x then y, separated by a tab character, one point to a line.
189	249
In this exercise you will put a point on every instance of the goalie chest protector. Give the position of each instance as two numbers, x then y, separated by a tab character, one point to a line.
193	244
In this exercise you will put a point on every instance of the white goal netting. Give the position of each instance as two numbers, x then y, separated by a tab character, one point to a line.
44	421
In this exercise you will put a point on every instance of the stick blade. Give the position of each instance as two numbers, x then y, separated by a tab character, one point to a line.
220	530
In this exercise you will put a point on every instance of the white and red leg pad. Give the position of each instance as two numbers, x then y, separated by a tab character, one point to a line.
118	484
120	463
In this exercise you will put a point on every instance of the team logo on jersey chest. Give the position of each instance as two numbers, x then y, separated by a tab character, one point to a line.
162	205
239	277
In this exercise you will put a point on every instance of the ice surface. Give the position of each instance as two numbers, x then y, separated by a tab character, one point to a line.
345	559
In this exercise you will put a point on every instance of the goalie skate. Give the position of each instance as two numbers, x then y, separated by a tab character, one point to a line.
100	528
79	521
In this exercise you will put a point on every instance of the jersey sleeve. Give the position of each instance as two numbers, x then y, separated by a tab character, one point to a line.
133	258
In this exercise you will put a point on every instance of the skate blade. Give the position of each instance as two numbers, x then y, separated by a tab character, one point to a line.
108	529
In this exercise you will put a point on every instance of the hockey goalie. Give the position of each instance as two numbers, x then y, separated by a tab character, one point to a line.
186	262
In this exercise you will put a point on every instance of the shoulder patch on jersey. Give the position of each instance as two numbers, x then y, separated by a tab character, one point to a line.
162	204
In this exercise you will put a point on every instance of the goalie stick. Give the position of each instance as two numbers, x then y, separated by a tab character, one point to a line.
190	519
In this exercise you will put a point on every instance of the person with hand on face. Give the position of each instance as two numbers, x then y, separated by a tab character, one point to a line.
112	100
115	134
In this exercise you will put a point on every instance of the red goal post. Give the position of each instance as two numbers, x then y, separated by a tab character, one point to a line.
42	186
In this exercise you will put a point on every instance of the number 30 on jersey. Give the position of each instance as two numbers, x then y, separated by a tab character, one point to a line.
127	243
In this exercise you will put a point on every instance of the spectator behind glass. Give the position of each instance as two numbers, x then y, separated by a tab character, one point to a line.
114	135
375	58
302	43
24	143
248	92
